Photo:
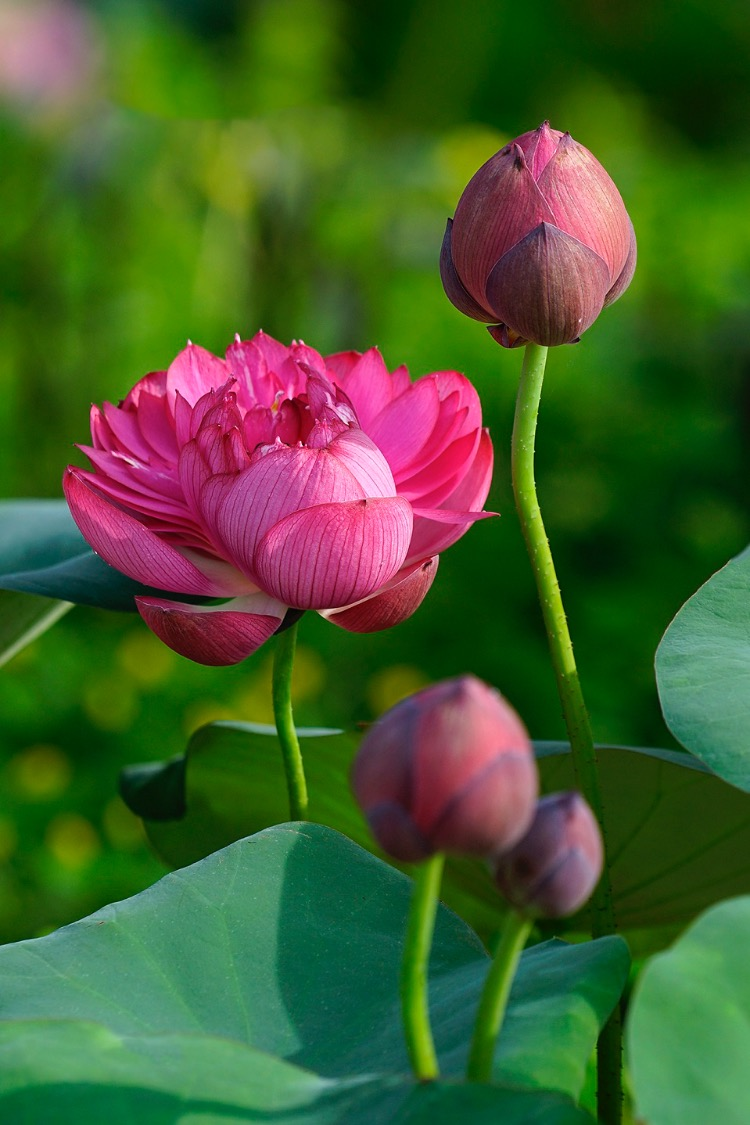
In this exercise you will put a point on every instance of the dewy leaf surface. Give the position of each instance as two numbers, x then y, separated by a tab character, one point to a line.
703	673
688	1032
290	942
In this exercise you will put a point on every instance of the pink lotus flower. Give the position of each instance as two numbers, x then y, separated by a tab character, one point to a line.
450	768
553	870
279	480
541	242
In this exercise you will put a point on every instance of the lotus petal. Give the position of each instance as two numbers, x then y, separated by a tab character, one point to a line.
334	554
549	288
214	635
392	604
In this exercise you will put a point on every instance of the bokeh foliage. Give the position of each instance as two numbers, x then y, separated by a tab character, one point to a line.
289	164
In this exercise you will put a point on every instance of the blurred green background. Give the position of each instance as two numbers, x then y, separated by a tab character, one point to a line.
188	169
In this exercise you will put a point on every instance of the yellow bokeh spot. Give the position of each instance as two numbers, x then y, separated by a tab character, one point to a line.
308	675
40	772
392	684
8	839
110	702
253	702
144	658
72	841
461	153
122	828
204	711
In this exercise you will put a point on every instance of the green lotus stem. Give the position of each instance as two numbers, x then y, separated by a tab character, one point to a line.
414	970
281	691
494	999
568	684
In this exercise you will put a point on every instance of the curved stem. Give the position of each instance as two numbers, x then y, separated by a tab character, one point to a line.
414	970
283	662
495	995
568	685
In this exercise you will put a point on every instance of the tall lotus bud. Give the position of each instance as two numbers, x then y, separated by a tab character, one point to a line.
540	242
553	869
448	769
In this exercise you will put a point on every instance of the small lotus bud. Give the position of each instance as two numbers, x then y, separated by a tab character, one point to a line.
540	242
553	870
451	769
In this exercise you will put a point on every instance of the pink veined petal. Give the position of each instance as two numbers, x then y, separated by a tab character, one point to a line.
194	372
239	508
273	352
366	381
157	489
306	356
405	423
155	383
626	276
124	426
549	288
194	473
216	635
224	576
183	419
131	491
455	290
453	382
365	461
437	530
430	486
471	493
471	485
157	426
101	433
334	554
340	364
250	363
401	380
539	146
390	606
499	206
586	204
459	412
130	547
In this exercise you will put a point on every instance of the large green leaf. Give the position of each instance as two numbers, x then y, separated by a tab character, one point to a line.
688	1032
42	552
23	618
679	837
231	782
290	942
703	673
65	1072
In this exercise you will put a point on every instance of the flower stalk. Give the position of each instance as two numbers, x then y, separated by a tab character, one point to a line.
495	995
414	971
568	684
281	691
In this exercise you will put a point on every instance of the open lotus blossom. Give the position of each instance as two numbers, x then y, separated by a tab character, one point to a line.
278	479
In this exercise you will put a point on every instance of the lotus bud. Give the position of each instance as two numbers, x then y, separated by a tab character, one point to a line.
553	869
449	769
540	242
